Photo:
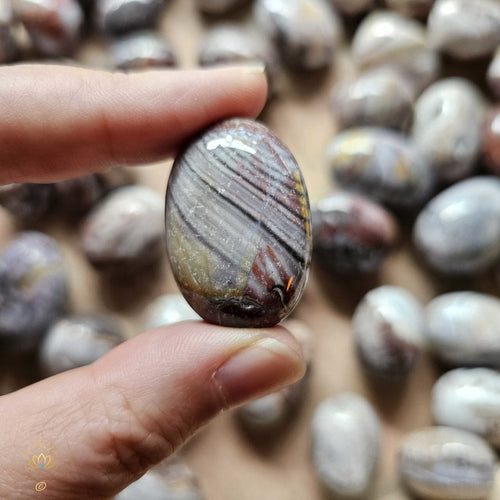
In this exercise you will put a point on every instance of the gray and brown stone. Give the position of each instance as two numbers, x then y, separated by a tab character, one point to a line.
388	331
54	26
463	329
380	97
306	32
446	463
351	233
469	398
33	289
142	50
447	127
465	29
78	341
238	225
386	38
345	445
458	231
381	164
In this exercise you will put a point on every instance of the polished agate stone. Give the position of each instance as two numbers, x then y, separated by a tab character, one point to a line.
446	463
78	341
219	7
412	8
124	233
465	29
352	7
463	329
351	234
346	438
229	44
388	330
26	202
382	164
77	196
380	97
469	398
447	127
167	310
238	225
268	416
142	50
306	32
491	139
54	26
493	75
117	17
33	289
386	38
458	232
172	479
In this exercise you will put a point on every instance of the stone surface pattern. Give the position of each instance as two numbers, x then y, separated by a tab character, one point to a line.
238	225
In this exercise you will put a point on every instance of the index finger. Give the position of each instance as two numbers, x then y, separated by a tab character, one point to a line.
60	122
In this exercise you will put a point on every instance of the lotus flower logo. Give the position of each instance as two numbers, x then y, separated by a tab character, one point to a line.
41	456
41	462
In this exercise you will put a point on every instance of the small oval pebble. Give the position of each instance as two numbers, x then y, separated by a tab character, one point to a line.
351	234
388	331
142	50
267	416
306	32
465	29
381	164
171	480
238	225
491	139
469	398
463	328
26	202
386	38
219	7
167	310
77	196
78	341
412	8
345	444
124	233
446	463
458	231
117	17
54	26
352	7
493	74
33	289
230	44
447	127
381	97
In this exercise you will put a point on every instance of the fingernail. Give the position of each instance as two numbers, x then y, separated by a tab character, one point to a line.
263	367
255	68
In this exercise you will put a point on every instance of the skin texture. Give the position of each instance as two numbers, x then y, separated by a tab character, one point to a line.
137	404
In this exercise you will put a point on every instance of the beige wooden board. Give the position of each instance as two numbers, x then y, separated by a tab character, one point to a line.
228	465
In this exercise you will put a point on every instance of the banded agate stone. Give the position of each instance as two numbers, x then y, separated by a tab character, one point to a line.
238	225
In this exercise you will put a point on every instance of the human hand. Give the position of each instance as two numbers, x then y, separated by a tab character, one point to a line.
114	419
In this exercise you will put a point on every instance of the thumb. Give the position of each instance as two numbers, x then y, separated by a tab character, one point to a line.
112	420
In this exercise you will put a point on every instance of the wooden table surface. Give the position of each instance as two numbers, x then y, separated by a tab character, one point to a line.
228	465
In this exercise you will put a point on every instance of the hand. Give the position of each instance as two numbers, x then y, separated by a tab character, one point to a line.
114	419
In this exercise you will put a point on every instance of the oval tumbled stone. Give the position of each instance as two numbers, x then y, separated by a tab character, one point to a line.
238	225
